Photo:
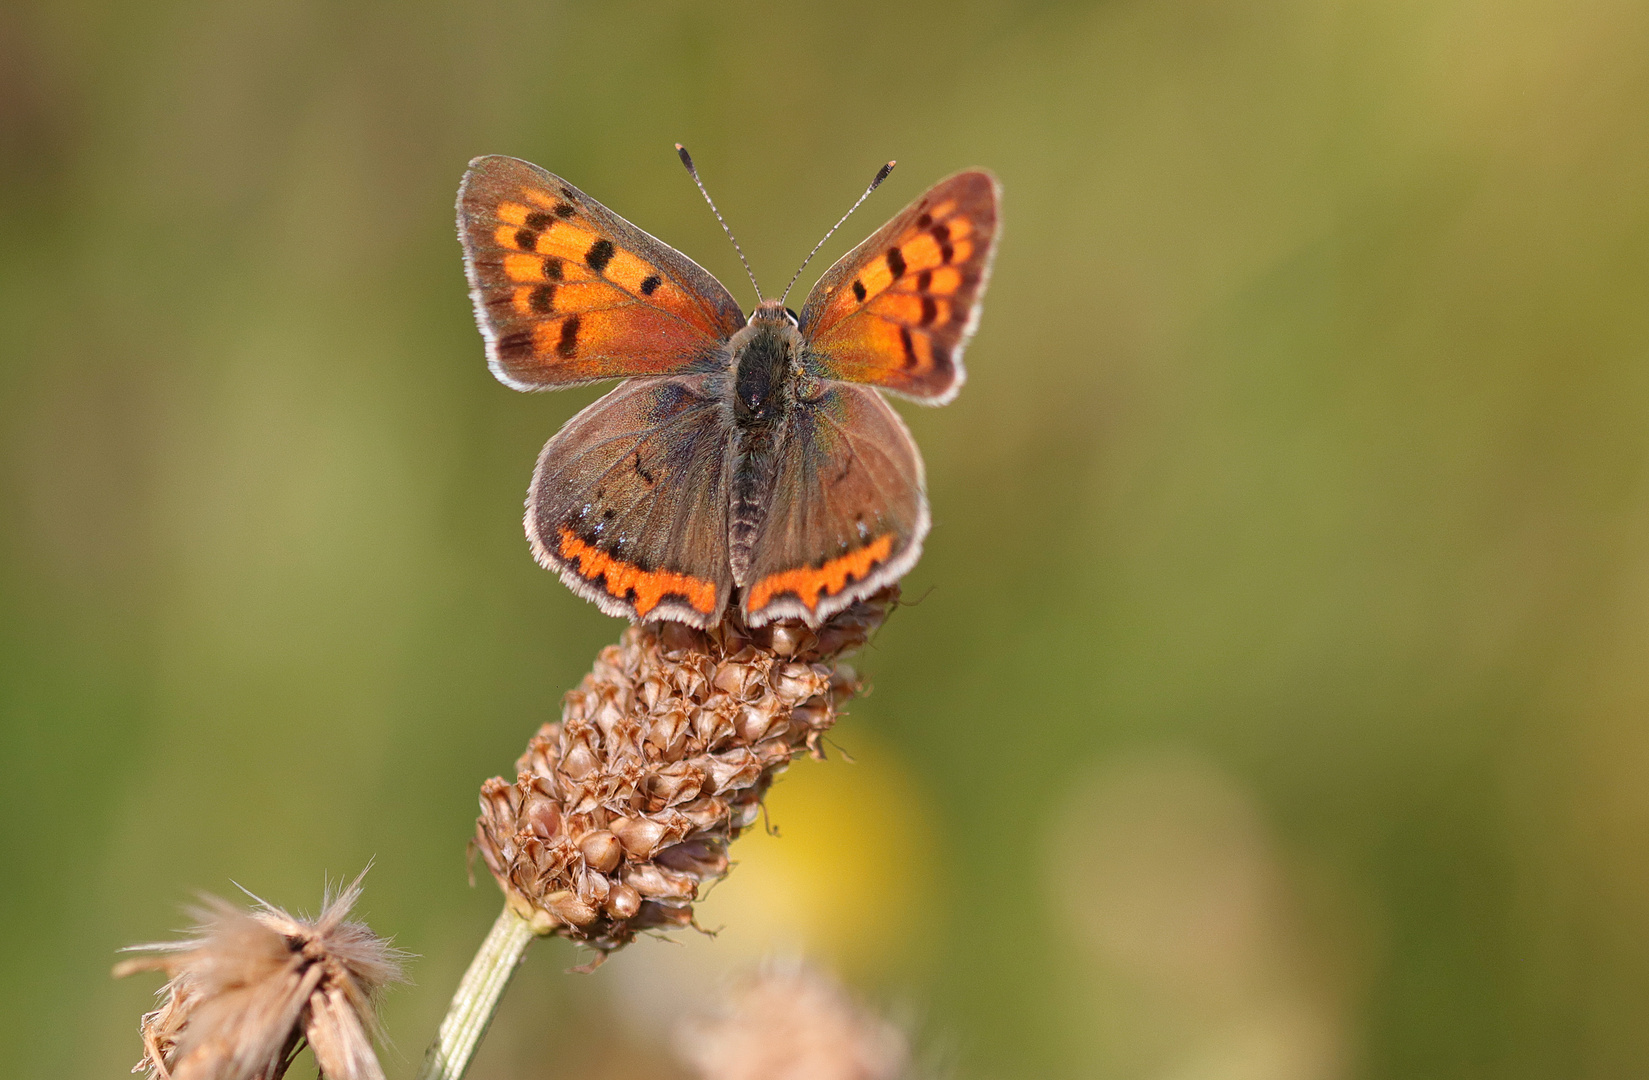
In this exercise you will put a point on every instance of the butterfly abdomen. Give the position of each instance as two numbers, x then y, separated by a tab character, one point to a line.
752	491
765	369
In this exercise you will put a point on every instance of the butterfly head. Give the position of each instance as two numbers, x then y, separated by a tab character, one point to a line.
775	313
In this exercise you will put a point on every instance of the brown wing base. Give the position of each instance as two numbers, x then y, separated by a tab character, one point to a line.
629	502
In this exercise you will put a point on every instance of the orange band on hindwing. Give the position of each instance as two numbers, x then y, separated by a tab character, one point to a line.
625	580
831	578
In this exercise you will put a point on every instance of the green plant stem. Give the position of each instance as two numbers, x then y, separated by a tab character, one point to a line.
477	998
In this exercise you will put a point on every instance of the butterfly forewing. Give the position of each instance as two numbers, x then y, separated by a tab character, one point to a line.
566	291
897	310
847	513
629	501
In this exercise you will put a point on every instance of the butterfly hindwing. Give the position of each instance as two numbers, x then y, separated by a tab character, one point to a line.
847	512
897	310
566	291
629	502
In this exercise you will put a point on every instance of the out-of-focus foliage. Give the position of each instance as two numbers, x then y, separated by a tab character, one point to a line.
1276	703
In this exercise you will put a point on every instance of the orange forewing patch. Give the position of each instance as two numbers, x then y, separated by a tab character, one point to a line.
640	335
831	578
513	213
918	248
568	248
897	310
622	579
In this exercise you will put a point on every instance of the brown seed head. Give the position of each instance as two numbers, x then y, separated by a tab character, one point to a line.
621	813
248	986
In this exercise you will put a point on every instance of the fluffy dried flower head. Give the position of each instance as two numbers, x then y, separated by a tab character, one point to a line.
622	811
793	1023
247	987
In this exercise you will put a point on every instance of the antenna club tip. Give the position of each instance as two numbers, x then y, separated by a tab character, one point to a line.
686	158
882	174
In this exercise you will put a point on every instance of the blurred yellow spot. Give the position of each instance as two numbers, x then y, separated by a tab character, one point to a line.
849	880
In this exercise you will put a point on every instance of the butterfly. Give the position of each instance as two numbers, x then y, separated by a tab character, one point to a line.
747	461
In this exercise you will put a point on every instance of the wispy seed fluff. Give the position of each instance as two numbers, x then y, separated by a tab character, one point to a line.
622	812
791	1022
248	988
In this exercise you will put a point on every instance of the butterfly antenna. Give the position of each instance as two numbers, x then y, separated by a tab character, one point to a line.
881	174
687	160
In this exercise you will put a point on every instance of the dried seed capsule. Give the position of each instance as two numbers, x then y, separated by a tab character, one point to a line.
702	859
601	850
676	640
788	639
622	901
657	883
668	732
542	816
639	835
794	682
814	712
733	769
579	762
566	906
593	888
754	721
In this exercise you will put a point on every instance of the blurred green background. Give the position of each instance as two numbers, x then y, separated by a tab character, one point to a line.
1275	705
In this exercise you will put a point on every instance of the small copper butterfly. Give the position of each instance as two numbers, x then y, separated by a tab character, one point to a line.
746	461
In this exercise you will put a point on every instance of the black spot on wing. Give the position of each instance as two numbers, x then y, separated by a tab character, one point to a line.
896	262
859	290
552	269
651	284
930	310
924	280
941	233
909	346
599	255
568	344
543	299
526	239
565	210
538	221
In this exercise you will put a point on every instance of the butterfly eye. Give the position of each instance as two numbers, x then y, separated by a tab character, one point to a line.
795	320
